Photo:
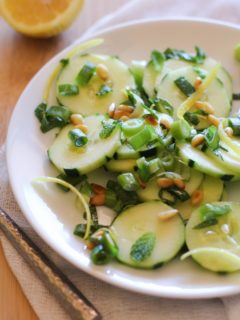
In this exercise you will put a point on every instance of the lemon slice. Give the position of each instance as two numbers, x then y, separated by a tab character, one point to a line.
40	18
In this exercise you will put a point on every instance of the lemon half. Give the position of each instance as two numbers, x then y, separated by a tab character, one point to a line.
40	18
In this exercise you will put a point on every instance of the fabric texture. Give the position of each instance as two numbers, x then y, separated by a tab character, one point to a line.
112	302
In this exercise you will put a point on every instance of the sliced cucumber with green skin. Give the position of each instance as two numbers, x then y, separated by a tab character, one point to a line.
151	192
124	165
215	94
87	102
222	75
149	79
212	189
141	219
66	157
126	151
216	247
195	158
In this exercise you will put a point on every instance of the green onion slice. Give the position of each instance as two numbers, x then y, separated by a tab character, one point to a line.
85	74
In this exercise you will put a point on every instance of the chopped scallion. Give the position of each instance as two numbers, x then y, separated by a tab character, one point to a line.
234	123
185	86
180	130
85	74
103	90
68	90
143	137
78	138
128	182
132	126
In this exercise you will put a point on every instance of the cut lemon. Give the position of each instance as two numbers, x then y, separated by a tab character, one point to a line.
40	18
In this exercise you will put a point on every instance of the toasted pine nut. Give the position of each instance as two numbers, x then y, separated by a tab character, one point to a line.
76	118
229	131
165	182
97	188
213	120
165	123
197	197
179	183
124	118
197	140
98	199
83	128
119	113
151	120
102	71
204	106
111	110
197	83
166	215
125	108
90	245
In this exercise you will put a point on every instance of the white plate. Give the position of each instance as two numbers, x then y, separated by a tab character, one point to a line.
52	213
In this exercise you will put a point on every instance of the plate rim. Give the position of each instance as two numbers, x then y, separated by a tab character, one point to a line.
165	292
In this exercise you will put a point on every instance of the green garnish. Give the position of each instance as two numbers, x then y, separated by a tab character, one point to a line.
143	247
180	130
234	123
157	60
162	105
103	90
66	90
210	211
206	223
107	129
185	86
128	182
64	62
52	117
211	137
192	118
237	52
78	138
85	74
143	137
75	180
198	58
132	126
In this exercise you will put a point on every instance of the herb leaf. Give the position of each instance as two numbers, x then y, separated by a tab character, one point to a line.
162	105
206	223
210	211
182	55
157	60
211	137
143	247
103	90
108	128
53	117
64	62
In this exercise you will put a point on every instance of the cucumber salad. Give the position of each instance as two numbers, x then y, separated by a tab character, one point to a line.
163	132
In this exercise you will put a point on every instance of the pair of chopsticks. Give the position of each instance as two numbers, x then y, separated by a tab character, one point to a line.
71	299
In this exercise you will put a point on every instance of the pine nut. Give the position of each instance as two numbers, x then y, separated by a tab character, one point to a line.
151	120
102	71
179	184
98	199
124	118
125	108
197	197
76	118
111	110
165	182
165	123
166	215
229	131
90	245
197	140
83	128
197	83
119	113
97	188
213	120
204	106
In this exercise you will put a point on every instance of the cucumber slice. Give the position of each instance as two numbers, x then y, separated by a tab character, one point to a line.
151	192
227	158
126	151
125	165
212	189
222	75
198	160
215	94
149	80
219	244
85	159
136	221
87	102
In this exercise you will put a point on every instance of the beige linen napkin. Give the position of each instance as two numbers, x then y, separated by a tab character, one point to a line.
112	302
